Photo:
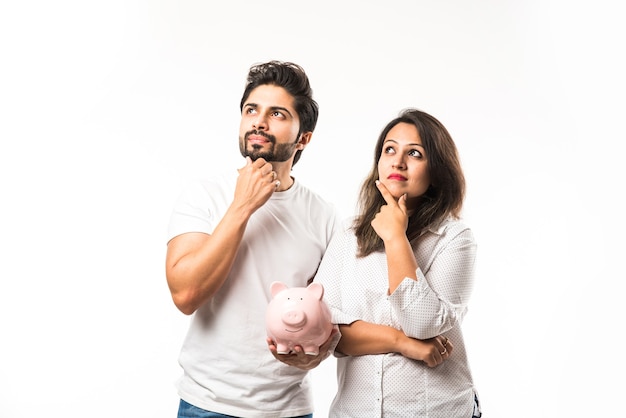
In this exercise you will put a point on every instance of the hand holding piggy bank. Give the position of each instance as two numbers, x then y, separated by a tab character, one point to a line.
298	316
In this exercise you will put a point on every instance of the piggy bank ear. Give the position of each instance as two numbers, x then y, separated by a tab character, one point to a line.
277	287
317	289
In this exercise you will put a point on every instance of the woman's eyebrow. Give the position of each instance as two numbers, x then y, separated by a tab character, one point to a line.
396	142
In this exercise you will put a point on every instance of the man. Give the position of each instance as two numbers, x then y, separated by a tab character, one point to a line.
230	238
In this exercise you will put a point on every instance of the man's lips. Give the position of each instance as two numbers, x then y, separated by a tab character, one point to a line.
396	177
258	139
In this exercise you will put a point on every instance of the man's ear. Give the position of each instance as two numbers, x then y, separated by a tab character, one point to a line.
304	140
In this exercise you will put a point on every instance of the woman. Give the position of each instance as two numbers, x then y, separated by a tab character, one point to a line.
402	271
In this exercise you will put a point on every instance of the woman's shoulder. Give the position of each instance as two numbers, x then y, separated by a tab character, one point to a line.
452	226
345	230
348	223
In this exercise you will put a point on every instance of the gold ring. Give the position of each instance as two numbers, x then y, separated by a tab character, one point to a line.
445	350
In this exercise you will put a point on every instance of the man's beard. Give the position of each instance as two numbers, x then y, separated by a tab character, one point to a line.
276	153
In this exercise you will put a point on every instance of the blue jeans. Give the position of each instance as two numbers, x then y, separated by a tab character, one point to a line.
187	410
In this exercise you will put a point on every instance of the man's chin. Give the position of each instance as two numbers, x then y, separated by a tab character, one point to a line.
267	156
256	155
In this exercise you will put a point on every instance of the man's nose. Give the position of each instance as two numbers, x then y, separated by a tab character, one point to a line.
260	122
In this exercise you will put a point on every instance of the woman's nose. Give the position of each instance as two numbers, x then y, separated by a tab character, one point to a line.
398	163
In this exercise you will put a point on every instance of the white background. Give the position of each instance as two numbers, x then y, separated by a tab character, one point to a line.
108	108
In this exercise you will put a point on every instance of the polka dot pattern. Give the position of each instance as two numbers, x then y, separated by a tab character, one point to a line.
391	385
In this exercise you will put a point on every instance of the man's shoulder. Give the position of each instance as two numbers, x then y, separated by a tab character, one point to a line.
210	185
315	198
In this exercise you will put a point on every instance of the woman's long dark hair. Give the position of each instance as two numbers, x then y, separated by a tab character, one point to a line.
444	197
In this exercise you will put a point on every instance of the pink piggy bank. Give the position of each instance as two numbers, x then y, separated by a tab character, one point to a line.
298	316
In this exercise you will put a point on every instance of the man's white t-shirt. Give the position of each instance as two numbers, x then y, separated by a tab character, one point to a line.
227	365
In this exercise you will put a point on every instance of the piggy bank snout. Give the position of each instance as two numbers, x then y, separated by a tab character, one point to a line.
294	317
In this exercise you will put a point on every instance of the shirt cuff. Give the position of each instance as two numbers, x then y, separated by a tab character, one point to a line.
410	290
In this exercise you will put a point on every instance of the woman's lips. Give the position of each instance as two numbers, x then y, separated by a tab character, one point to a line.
396	177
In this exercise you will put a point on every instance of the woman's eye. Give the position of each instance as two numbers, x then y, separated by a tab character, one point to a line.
389	150
415	153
